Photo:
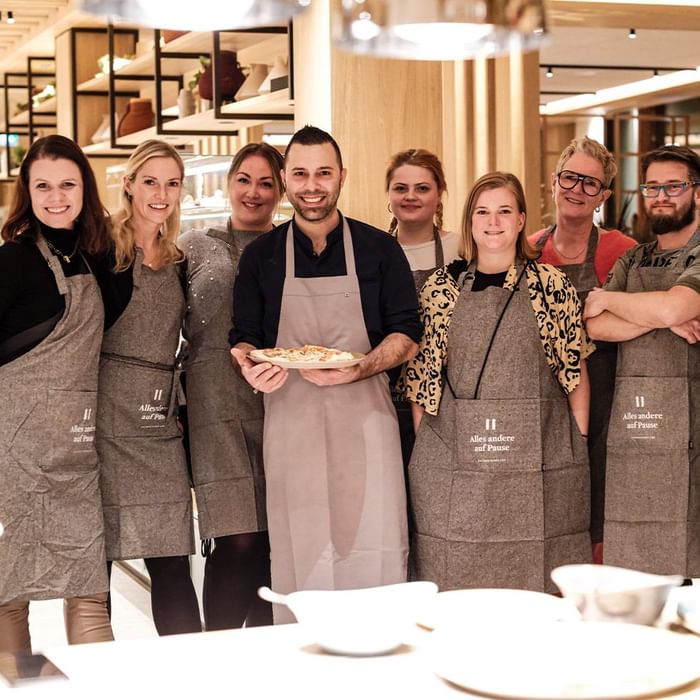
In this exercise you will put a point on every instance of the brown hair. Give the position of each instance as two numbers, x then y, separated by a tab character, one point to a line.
674	154
264	150
422	159
313	136
92	229
123	232
596	150
494	181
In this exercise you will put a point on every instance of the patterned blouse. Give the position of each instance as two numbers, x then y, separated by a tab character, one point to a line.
564	339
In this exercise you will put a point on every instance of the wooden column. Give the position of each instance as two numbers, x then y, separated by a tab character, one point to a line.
476	116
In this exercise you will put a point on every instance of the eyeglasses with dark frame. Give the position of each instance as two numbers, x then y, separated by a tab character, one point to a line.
670	189
568	179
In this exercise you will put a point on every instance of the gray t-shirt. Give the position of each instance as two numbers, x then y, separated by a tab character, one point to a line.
647	255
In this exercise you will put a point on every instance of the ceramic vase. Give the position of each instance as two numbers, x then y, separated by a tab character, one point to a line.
279	70
185	103
139	115
170	34
256	77
230	78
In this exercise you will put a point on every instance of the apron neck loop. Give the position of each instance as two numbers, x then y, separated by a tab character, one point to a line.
54	264
515	288
347	247
138	265
439	252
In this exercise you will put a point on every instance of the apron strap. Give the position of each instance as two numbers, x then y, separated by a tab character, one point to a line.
54	264
439	251
347	247
495	330
28	337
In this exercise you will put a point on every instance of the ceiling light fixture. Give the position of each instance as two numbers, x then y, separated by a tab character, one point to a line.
439	29
632	34
10	17
550	72
204	15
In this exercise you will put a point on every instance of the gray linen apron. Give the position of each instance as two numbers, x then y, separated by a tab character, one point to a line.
143	471
336	498
499	478
652	509
420	276
50	505
601	373
225	416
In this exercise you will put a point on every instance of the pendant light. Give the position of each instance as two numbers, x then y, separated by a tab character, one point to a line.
439	29
202	15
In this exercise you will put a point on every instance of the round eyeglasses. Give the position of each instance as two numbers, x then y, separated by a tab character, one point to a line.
590	185
670	189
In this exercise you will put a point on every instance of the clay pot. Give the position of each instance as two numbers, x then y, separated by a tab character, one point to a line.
230	78
170	34
139	115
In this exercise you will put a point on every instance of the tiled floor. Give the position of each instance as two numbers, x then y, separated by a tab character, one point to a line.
131	614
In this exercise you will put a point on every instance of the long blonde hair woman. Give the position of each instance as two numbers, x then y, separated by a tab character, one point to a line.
125	221
144	477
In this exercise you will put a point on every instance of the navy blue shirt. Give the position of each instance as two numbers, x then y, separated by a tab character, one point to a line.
387	290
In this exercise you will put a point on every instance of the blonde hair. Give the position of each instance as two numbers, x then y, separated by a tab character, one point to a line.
123	232
494	181
591	148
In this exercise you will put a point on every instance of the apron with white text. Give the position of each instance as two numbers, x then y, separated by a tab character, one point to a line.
143	470
499	479
652	508
50	506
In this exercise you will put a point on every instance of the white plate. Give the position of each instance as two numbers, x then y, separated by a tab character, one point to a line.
494	605
257	356
567	660
689	608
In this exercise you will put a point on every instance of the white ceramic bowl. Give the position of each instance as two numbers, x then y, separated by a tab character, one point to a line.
614	594
358	622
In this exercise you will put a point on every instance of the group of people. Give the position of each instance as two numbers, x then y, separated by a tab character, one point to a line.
535	446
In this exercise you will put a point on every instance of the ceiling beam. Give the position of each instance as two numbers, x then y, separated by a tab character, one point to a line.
618	15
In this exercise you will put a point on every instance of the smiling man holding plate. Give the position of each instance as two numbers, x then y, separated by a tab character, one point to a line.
336	497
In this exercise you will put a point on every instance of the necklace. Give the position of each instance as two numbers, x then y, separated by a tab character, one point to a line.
60	254
568	257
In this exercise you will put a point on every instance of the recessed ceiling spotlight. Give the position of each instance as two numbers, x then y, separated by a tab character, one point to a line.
550	72
10	17
632	34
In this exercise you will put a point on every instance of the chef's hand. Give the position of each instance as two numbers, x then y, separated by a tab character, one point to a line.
331	377
595	303
689	331
261	376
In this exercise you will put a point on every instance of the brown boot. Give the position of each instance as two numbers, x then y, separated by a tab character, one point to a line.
87	619
14	626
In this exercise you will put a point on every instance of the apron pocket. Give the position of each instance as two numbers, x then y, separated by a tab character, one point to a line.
493	507
649	415
493	434
71	418
136	401
647	487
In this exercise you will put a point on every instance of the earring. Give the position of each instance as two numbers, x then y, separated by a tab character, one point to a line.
597	210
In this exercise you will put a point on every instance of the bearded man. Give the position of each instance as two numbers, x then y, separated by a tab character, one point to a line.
651	304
